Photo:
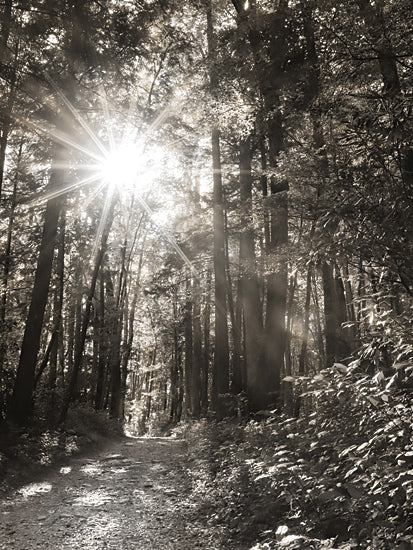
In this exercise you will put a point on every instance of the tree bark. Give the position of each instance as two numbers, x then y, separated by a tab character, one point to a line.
57	315
256	369
189	347
86	317
21	405
375	24
220	383
302	361
4	329
197	357
206	349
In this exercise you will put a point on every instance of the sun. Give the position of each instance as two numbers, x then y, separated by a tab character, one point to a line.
131	166
122	166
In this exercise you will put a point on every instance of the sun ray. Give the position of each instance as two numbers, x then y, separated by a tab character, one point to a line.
93	195
59	136
63	190
106	115
77	115
167	236
103	219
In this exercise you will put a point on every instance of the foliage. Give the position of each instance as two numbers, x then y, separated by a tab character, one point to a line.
339	476
25	453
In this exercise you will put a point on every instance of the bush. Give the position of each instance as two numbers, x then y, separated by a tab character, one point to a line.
87	422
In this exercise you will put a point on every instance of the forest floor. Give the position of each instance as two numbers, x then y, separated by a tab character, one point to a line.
279	484
135	493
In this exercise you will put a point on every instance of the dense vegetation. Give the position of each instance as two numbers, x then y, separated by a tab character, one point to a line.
205	212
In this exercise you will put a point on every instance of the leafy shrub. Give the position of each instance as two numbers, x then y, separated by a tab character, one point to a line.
339	476
85	421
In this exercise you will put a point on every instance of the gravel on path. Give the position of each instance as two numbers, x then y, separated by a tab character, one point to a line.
134	495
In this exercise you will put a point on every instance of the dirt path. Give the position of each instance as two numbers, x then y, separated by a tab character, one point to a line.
134	495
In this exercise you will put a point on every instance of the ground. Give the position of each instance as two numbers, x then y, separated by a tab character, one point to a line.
135	493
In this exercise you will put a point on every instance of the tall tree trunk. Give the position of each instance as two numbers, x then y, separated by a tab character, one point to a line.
130	333
86	317
277	280
302	361
344	336
289	322
174	373
220	373
189	347
102	351
22	400
4	330
376	27
197	357
256	369
8	111
57	314
236	377
264	190
354	333
206	348
114	366
330	304
116	338
319	330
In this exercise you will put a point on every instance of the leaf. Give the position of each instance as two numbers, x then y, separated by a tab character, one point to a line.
281	532
391	381
379	377
262	476
342	368
362	447
401	365
373	401
288	379
353	491
329	495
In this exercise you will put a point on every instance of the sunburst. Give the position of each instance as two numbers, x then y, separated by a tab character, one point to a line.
131	165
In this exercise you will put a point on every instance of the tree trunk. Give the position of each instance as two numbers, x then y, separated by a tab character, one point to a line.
256	375
236	378
189	347
277	280
206	350
330	303
7	114
220	374
197	357
302	362
102	354
86	317
373	17
4	329
344	333
57	315
22	400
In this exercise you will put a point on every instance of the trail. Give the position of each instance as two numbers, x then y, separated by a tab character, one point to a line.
135	494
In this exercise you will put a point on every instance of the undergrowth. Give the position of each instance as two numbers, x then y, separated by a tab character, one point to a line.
26	451
340	476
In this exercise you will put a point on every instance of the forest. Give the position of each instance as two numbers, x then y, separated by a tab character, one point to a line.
206	230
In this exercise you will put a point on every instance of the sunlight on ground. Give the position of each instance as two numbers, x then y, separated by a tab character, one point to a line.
91	469
93	498
119	470
65	470
35	489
